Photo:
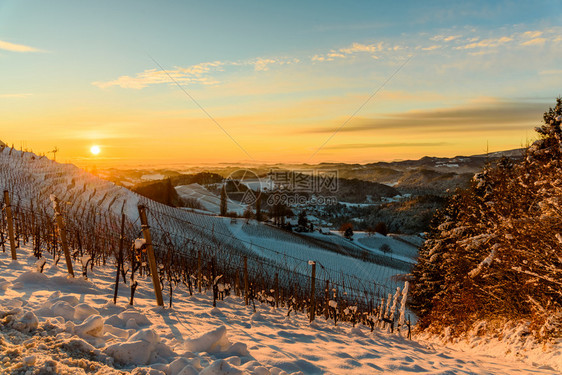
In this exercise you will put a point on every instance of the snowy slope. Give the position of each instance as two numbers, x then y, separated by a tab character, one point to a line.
31	180
208	200
52	324
398	249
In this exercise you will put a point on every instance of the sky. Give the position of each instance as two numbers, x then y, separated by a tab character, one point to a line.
186	82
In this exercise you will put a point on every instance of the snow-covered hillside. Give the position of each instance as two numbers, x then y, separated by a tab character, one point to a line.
32	180
50	324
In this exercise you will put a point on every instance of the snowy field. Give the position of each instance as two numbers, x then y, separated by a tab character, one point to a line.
260	239
396	248
52	324
208	200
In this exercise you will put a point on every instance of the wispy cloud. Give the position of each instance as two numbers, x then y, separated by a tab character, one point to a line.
263	64
348	146
486	43
200	74
431	48
487	115
534	41
13	47
14	96
358	47
352	49
455	44
195	74
526	38
532	34
445	38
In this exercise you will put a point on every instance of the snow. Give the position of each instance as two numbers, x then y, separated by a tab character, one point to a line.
33	179
139	243
274	243
216	341
208	200
486	262
142	348
399	249
52	324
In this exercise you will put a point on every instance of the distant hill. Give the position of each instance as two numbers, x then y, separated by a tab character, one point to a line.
160	191
427	175
202	178
358	191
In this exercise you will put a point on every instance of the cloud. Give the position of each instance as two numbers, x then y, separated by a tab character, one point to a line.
12	47
318	58
533	42
203	68
486	43
471	44
262	64
445	38
354	48
358	47
431	48
195	74
532	34
330	56
483	116
384	145
14	96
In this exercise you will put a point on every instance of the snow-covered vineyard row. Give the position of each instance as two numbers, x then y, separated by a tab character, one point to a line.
191	248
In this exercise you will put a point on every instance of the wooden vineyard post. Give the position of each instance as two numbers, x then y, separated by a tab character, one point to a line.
2	232
276	290
150	255
10	224
327	308
237	283
312	290
62	234
246	280
214	282
199	277
119	257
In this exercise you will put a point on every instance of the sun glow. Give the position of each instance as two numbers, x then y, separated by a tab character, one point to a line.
95	150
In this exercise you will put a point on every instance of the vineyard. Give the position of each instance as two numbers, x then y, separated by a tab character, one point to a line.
193	251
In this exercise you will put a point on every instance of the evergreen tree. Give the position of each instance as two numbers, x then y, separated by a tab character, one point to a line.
223	204
303	220
346	229
348	233
381	228
258	207
495	251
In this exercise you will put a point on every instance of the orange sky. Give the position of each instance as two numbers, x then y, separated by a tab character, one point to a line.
333	84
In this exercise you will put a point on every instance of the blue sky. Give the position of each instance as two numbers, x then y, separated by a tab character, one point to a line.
279	77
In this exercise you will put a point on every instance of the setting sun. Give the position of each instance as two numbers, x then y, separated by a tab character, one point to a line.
95	150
